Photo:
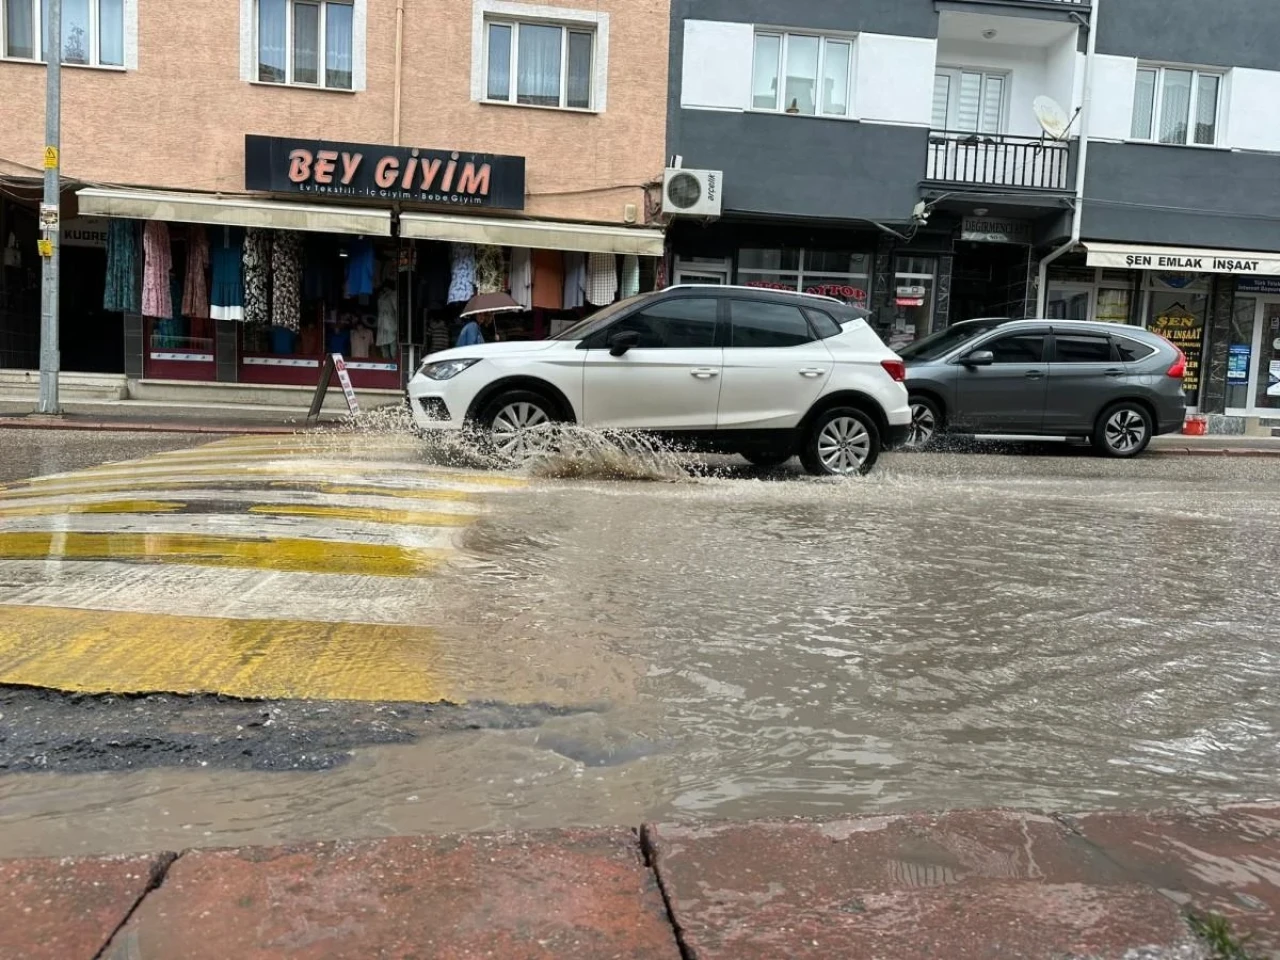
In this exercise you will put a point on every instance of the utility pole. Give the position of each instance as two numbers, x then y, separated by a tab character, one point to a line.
50	220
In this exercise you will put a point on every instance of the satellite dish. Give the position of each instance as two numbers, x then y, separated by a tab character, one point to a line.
1053	119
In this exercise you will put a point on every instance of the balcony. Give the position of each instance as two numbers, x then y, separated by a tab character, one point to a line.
1014	163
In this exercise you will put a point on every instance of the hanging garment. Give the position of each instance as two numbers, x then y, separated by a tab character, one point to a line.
602	279
361	342
286	280
489	269
388	319
548	279
157	299
575	280
257	271
121	292
462	272
437	335
522	276
630	275
226	298
361	267
195	291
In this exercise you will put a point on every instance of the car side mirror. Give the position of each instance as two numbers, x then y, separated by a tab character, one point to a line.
979	358
622	341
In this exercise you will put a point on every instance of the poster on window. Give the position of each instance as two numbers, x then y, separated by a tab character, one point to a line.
1273	379
1185	331
1238	363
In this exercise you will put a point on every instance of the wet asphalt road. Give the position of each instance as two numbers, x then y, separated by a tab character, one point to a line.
33	453
1047	630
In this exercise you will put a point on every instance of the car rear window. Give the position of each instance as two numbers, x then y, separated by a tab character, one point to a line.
755	323
1082	348
1131	350
823	322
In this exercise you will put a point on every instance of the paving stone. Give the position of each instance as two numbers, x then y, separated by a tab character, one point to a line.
554	894
970	885
67	909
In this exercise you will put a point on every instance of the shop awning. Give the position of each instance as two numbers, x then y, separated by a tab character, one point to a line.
536	234
232	211
1127	256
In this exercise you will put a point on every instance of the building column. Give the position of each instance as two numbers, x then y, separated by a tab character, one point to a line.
135	345
1213	372
225	351
881	305
942	294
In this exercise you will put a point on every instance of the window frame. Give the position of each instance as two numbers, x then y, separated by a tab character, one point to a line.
322	67
954	74
566	28
1082	335
95	36
1157	104
803	276
784	56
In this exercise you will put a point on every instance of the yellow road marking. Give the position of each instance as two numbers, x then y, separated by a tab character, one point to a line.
73	486
91	651
419	518
106	506
309	556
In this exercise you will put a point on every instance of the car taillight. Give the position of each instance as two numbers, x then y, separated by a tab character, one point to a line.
895	368
1178	368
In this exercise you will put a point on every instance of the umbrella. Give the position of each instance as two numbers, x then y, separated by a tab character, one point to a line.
490	303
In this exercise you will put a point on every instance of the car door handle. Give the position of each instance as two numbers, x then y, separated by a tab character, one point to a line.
705	373
1113	372
813	371
1034	374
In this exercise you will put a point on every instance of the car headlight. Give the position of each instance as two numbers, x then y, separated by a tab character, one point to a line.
446	369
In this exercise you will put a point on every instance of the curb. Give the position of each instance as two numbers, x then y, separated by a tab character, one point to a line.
125	426
1213	452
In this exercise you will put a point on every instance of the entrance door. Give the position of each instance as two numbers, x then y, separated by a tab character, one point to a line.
1009	395
1267	370
1253	359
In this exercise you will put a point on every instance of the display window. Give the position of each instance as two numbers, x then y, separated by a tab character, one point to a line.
842	274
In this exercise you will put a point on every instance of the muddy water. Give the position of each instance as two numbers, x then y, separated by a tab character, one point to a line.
1047	632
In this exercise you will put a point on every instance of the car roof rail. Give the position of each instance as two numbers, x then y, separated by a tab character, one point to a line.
731	286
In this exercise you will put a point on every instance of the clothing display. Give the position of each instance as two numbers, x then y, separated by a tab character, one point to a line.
522	277
195	289
462	272
286	280
489	269
122	293
226	298
575	280
388	318
157	298
548	279
257	271
437	335
602	279
361	342
630	275
340	341
361	268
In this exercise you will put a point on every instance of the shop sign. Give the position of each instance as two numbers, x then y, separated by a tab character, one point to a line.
363	171
995	230
909	301
841	291
1258	285
1238	363
1185	331
333	364
85	232
1183	260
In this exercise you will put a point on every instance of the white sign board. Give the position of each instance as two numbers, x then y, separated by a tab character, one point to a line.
1183	259
85	232
995	230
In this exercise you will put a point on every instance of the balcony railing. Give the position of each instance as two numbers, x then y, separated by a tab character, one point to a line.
998	160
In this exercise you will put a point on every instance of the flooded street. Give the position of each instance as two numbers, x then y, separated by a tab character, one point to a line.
1051	631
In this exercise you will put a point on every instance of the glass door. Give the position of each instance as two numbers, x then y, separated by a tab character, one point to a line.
1267	369
1253	358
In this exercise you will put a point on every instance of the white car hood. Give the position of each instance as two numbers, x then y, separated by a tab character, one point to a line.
483	351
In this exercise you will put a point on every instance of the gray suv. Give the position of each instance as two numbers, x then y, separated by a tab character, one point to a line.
1115	385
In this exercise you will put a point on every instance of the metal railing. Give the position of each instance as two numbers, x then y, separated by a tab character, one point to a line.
998	160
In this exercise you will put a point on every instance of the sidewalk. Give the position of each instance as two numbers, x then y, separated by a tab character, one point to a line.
230	424
1176	444
968	885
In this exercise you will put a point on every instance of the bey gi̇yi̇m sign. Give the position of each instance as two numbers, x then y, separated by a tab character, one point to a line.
364	171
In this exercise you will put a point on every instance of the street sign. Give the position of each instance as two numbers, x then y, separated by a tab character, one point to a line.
48	216
333	364
51	158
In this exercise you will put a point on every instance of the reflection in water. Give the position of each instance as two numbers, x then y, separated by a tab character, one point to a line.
954	631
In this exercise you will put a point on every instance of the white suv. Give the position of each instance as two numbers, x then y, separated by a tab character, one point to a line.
764	373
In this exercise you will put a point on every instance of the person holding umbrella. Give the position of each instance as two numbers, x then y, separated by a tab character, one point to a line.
481	309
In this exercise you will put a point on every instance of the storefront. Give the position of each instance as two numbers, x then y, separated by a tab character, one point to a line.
1253	361
325	256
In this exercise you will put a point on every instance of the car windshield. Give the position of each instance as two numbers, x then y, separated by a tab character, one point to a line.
585	328
944	341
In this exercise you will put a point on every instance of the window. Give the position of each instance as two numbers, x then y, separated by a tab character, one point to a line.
802	74
969	101
757	324
306	42
1176	106
1131	351
92	31
842	274
824	323
688	322
539	64
1081	348
1019	348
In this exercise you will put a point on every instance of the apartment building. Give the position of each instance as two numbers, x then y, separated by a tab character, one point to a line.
922	158
253	184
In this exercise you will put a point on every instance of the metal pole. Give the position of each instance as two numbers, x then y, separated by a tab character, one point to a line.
50	360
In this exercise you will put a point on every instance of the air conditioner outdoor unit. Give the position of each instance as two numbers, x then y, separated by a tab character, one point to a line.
692	193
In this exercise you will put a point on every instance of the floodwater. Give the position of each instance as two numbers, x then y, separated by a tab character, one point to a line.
1054	632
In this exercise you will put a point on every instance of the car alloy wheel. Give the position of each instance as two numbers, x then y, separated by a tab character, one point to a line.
1125	431
844	445
923	426
514	429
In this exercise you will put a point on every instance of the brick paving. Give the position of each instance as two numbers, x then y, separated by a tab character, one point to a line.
962	885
